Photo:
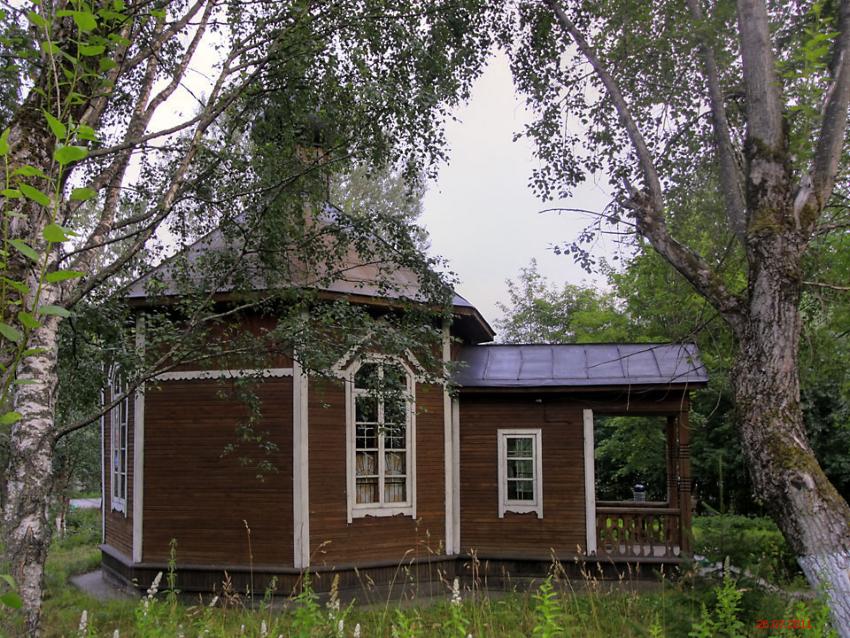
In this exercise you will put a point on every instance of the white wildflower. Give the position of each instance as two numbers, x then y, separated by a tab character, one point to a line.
154	585
242	630
340	627
357	630
456	600
116	634
264	631
84	622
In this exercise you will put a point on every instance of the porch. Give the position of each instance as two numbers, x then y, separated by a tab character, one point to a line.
639	530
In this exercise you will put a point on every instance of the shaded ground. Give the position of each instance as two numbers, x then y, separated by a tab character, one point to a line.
97	586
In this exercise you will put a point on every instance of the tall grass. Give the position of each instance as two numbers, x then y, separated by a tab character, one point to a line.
552	607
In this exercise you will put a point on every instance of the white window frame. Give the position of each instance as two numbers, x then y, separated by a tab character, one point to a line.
520	507
118	431
361	510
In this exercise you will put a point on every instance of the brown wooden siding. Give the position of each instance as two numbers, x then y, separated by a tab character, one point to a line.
332	539
562	527
253	324
119	527
201	497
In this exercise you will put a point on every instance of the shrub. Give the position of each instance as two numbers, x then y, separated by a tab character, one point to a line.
751	543
724	619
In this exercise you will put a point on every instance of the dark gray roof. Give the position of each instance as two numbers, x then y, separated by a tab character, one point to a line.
520	366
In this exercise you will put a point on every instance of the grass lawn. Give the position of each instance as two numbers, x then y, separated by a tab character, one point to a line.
683	607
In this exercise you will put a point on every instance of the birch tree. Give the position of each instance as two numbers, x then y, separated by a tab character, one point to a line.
99	157
754	96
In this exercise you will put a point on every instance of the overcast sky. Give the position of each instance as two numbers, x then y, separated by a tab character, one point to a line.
480	212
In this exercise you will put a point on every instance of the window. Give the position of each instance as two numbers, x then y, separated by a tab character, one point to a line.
118	419
520	472
380	426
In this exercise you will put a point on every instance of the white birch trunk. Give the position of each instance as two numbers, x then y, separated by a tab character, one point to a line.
30	479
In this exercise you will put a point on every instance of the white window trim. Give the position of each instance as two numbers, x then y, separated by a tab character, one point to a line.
118	503
361	510
520	507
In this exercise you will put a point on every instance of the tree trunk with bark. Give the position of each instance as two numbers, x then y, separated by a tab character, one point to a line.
26	522
787	477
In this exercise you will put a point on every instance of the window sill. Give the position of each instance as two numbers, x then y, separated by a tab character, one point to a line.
363	512
521	509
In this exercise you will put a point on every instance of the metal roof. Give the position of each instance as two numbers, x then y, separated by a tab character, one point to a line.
580	365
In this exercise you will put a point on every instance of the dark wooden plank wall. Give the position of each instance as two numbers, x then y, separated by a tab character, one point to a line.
201	498
253	324
332	539
119	528
562	527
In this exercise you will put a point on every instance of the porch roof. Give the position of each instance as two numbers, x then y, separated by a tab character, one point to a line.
580	365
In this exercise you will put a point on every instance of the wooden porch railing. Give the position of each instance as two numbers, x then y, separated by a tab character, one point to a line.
630	530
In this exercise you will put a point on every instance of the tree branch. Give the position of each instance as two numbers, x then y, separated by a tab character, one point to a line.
650	175
691	265
834	121
821	284
764	108
165	35
731	180
648	207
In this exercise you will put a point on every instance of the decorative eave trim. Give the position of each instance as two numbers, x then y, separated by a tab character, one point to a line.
191	375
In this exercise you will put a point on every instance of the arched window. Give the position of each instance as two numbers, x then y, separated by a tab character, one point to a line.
381	439
118	424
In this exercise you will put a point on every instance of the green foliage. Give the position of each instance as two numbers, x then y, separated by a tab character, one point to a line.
406	625
539	312
630	450
750	543
366	191
724	618
307	616
9	597
549	620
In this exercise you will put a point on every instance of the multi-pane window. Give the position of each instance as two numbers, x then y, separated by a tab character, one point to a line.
520	484
118	421
382	423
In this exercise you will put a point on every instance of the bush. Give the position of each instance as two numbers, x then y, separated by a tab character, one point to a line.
751	543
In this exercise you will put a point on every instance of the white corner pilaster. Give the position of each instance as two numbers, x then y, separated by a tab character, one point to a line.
456	473
139	449
448	448
589	484
300	468
102	470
